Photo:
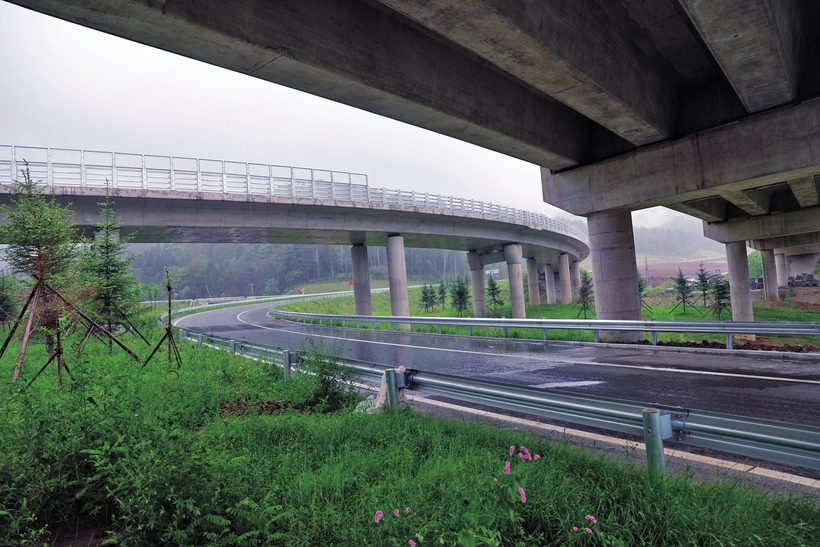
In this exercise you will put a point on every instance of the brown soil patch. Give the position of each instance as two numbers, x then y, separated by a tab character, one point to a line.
255	408
76	532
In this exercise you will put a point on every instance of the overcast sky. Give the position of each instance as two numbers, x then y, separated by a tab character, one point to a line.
66	86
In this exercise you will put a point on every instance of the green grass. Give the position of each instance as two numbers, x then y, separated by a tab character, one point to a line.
381	307
150	449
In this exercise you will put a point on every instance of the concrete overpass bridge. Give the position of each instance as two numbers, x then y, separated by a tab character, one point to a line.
189	200
705	106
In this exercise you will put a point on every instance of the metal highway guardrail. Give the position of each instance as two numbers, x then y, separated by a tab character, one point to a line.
91	168
750	437
728	328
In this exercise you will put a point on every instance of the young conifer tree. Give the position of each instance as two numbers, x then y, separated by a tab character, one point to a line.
702	283
117	292
460	295
494	292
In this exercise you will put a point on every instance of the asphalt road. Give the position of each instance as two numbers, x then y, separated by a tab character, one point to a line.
763	386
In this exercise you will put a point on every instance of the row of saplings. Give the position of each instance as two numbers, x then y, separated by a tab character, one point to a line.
70	284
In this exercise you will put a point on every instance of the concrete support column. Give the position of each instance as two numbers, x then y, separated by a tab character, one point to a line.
532	282
769	275
564	279
397	276
512	255
614	271
361	280
739	281
549	278
477	282
782	270
575	272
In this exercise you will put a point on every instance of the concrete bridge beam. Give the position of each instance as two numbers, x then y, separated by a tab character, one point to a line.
614	271
769	275
361	280
397	276
549	279
532	282
512	255
477	282
739	281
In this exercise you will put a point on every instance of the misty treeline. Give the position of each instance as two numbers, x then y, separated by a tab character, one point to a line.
204	270
675	238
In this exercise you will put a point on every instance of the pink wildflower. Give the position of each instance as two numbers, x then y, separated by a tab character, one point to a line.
526	454
507	468
378	516
536	457
417	535
574	528
396	512
407	510
523	496
587	530
591	518
412	543
512	449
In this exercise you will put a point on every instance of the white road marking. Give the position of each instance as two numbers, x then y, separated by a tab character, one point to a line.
550	385
540	358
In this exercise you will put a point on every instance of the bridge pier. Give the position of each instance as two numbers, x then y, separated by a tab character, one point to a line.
614	271
769	274
477	284
782	269
397	276
361	279
549	279
575	272
532	282
564	278
739	290
512	256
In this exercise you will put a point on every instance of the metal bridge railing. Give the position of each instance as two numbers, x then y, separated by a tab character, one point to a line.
727	328
750	437
95	169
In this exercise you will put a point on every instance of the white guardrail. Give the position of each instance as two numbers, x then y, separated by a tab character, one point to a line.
728	328
95	169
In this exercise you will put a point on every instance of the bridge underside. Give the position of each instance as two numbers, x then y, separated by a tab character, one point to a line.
706	107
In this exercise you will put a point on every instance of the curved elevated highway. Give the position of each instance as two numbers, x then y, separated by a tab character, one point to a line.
186	200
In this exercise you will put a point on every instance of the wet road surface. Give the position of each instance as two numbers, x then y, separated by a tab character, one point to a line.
763	386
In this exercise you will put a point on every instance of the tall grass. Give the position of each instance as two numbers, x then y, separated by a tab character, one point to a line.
152	451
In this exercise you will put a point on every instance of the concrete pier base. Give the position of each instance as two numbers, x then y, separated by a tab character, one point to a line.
565	279
782	270
361	280
575	273
477	284
512	256
532	282
614	272
549	279
769	275
397	276
739	282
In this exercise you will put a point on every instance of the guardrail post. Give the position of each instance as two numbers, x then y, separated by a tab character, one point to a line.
439	329
289	359
654	338
392	389
729	343
544	335
504	331
653	437
470	330
596	336
199	338
233	347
